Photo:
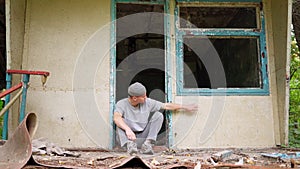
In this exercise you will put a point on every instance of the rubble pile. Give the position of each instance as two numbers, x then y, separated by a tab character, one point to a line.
170	158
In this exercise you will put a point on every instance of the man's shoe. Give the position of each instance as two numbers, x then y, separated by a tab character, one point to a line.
132	147
147	148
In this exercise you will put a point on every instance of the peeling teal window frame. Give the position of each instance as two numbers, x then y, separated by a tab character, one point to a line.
141	2
257	33
168	78
218	0
112	77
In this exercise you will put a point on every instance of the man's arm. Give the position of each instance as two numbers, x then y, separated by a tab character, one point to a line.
118	119
175	106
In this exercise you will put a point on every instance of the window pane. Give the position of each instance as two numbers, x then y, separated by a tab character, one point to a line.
124	9
239	57
218	17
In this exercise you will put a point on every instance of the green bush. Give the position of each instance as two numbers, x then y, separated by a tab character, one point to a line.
294	112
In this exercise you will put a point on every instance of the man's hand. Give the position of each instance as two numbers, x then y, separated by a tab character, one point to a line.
118	119
190	107
130	134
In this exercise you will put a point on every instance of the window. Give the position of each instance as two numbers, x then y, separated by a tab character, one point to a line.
221	48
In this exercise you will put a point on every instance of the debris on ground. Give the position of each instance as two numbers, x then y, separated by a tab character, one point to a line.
170	158
291	155
221	155
42	146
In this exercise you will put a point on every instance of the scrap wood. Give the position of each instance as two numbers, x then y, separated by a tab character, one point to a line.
279	147
229	166
105	157
89	149
174	166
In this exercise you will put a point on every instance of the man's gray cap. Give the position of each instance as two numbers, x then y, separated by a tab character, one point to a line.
136	89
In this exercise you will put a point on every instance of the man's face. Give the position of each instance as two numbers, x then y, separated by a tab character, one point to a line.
141	99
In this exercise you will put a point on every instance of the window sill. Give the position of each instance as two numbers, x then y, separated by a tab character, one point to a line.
223	92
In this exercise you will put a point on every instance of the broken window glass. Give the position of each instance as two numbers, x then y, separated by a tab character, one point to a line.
124	9
221	37
218	17
239	57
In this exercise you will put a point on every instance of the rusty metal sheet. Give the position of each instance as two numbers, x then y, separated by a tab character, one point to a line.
16	151
132	161
93	160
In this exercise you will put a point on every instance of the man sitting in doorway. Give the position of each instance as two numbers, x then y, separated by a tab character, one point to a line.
138	119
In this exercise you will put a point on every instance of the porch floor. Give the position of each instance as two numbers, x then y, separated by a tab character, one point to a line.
169	158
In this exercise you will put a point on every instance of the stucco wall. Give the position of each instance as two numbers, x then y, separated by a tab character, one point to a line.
281	26
70	39
15	29
57	33
239	121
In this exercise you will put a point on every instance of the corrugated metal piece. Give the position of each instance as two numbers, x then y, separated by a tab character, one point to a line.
17	150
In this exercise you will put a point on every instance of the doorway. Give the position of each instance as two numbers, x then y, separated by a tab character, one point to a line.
141	58
2	46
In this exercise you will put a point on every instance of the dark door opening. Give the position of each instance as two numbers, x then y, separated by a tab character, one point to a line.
2	45
141	58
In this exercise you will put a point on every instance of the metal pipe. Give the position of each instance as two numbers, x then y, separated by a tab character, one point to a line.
24	96
14	88
26	75
7	99
10	103
28	72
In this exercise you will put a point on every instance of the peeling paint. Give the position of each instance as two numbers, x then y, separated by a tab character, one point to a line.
141	2
218	0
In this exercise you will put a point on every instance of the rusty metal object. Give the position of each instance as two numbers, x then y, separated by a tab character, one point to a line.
130	162
17	150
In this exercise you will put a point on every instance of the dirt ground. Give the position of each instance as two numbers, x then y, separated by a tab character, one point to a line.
169	158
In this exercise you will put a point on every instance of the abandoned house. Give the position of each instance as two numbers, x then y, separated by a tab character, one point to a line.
229	57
